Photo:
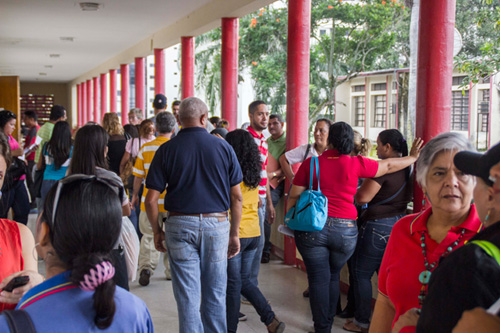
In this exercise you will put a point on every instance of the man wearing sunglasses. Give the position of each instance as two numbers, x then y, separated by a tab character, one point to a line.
202	177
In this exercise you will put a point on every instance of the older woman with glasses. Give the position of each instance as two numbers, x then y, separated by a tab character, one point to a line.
419	241
80	223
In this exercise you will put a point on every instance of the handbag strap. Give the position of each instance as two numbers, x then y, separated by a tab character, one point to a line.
307	152
314	162
19	321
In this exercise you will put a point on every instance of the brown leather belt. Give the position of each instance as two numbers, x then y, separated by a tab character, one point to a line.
221	217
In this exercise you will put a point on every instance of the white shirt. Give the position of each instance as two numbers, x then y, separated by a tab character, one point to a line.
296	155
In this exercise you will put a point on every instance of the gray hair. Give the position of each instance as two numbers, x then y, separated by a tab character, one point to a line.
450	141
137	112
192	108
165	122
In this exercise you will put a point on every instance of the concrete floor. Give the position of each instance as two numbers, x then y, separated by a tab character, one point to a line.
282	285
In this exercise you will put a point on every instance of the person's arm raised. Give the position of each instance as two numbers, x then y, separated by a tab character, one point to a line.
391	165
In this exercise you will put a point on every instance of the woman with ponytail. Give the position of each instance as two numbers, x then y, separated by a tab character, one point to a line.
80	223
385	200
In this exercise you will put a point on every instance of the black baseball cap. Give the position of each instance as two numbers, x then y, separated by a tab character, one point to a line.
478	164
160	102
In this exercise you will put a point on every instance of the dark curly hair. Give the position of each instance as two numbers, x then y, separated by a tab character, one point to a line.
341	137
248	155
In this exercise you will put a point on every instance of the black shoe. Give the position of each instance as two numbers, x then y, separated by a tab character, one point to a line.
144	277
346	313
242	317
265	258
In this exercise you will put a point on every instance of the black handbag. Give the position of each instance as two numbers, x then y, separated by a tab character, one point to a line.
16	170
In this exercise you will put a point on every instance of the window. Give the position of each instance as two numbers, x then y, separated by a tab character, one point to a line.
460	110
359	111
151	77
322	32
152	65
457	80
379	86
483	110
379	104
358	88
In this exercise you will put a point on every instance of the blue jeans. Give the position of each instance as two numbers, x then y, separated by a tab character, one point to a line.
254	272
238	282
276	194
373	237
46	186
325	252
16	198
197	251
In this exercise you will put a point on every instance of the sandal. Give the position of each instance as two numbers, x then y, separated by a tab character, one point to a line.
352	327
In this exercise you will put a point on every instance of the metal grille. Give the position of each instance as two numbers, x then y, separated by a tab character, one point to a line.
379	103
460	110
359	111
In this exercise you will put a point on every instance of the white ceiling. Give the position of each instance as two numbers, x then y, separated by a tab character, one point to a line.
30	31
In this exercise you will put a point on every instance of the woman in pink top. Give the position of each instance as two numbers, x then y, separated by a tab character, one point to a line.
14	193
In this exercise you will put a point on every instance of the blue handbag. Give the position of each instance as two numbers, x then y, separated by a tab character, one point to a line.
311	209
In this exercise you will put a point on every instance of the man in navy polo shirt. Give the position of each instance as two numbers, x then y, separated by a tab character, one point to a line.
203	178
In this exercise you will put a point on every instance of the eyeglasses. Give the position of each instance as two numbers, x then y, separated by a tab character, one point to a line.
114	185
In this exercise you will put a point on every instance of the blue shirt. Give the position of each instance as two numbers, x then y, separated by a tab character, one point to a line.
71	309
50	169
199	169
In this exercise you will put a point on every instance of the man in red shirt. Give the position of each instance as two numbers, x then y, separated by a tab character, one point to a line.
259	117
31	121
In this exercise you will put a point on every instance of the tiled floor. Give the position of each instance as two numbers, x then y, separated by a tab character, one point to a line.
282	285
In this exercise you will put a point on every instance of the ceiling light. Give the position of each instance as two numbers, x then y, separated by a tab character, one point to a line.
48	66
67	39
54	55
42	74
89	6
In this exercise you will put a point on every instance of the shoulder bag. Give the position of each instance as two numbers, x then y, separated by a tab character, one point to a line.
311	209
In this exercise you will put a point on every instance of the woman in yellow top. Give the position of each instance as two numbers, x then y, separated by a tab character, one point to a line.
238	267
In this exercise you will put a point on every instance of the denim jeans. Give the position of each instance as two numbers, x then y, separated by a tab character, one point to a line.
254	272
197	250
276	194
325	252
46	186
373	237
16	198
238	282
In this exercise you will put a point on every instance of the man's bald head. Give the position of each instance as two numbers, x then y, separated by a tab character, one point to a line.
193	112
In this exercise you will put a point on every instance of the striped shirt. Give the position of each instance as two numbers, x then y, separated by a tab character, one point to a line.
141	168
262	144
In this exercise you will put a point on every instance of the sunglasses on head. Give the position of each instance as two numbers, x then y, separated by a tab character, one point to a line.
114	185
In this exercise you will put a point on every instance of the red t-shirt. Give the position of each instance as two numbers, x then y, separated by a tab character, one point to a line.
339	176
11	258
262	144
404	261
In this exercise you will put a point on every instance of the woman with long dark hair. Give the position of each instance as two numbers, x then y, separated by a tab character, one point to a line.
89	158
386	198
14	192
80	223
238	267
56	156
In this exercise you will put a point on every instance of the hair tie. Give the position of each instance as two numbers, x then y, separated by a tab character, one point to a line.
404	140
103	272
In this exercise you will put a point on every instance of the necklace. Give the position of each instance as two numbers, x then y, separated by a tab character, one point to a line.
425	275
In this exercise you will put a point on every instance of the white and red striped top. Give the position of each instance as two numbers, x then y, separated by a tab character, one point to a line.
262	144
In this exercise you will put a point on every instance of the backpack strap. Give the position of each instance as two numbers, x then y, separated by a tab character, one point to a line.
489	248
19	321
307	152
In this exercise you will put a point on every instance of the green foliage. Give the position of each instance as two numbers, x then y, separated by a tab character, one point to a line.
479	23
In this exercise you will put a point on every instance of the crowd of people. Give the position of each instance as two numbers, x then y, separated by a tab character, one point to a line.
204	198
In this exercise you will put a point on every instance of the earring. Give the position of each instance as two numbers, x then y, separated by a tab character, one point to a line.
35	256
487	216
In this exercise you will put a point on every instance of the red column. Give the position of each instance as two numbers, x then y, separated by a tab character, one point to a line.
84	102
97	90
229	71
89	100
187	67
112	91
434	73
140	83
159	72
104	96
79	105
297	100
124	71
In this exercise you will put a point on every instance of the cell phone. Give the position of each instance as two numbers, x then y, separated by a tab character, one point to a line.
16	282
